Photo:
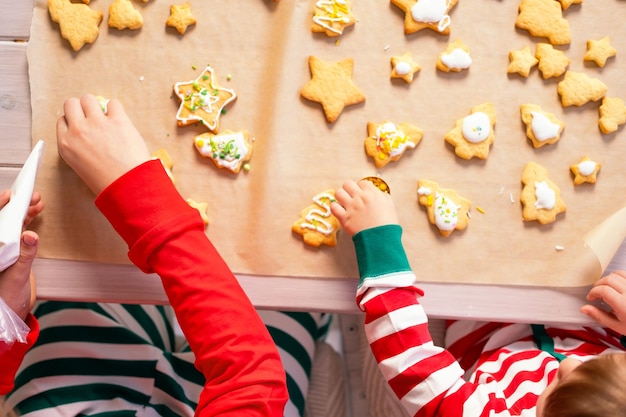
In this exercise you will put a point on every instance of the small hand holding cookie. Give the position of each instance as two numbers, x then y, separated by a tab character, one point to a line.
99	147
361	206
17	286
611	290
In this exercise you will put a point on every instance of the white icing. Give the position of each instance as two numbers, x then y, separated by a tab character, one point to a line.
316	218
226	149
476	127
331	11
586	168
446	212
423	191
457	59
402	68
545	196
391	140
432	11
543	128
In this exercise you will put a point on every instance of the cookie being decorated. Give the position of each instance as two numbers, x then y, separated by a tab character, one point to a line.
585	171
521	62
455	58
78	23
331	85
541	198
446	209
332	17
202	100
473	135
578	88
542	128
229	150
544	19
403	67
316	224
552	62
426	14
122	15
599	51
612	114
387	142
180	17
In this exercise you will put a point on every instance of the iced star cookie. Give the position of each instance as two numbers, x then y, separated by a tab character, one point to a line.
612	114
316	224
455	58
541	198
229	150
552	62
544	19
426	14
599	51
542	128
521	62
78	23
332	17
403	67
387	142
585	170
446	209
180	17
473	135
123	15
331	85
578	88
202	100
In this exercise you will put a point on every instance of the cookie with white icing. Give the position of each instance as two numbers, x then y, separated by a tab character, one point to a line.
316	224
474	134
585	171
332	17
387	142
228	150
426	14
542	128
541	198
446	209
455	58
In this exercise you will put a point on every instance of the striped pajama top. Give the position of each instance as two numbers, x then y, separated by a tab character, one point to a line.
488	369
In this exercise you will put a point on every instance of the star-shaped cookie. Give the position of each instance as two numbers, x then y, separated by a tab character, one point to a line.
202	100
332	17
180	17
544	19
578	88
599	51
77	21
521	62
446	209
552	62
122	15
541	198
585	170
421	14
612	114
565	4
404	67
331	85
473	135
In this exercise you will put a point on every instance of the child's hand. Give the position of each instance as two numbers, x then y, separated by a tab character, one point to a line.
611	290
362	206
99	147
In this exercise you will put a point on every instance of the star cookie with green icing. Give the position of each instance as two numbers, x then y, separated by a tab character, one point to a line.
202	100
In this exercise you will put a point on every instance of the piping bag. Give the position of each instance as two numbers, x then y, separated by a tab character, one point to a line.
12	215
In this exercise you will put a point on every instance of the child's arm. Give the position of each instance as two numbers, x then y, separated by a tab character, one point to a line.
611	290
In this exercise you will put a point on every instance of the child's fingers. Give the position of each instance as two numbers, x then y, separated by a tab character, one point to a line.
607	294
606	319
338	211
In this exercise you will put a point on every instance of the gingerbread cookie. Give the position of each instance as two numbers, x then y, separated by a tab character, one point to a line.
599	51
565	4
316	224
426	14
585	171
542	128
455	58
180	17
228	150
446	209
387	142
331	85
544	19
552	62
541	198
578	88
473	135
612	114
404	67
521	62
77	21
165	158
332	17
202	208
202	100
122	15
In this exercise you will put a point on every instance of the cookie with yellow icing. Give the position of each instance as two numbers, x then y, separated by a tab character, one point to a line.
542	128
577	88
585	170
387	142
446	209
541	198
404	67
316	224
426	14
521	62
612	114
332	17
552	62
202	100
455	58
229	150
474	134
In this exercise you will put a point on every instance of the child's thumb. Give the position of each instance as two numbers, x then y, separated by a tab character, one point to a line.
28	247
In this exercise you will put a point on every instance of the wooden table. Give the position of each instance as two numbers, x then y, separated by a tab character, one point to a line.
70	280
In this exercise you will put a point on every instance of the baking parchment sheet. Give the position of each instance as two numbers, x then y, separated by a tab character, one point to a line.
261	49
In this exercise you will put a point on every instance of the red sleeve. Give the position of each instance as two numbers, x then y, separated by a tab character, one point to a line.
11	359
234	351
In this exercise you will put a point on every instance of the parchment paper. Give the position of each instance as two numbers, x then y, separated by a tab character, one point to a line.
265	47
